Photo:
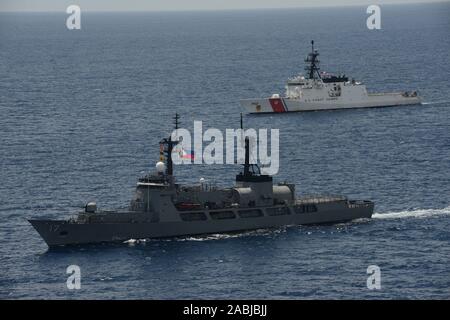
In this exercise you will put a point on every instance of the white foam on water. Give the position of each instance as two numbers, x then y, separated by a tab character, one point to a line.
221	236
134	241
130	241
435	102
418	213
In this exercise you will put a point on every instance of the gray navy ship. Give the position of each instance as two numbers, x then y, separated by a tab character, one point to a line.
163	208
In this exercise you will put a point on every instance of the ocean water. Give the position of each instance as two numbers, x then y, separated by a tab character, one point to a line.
82	112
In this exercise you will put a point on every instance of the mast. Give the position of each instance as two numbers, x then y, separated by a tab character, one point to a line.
168	148
247	157
249	169
313	61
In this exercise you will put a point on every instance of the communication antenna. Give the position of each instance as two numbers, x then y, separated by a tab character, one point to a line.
175	120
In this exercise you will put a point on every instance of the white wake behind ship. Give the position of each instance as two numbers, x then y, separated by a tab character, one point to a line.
324	91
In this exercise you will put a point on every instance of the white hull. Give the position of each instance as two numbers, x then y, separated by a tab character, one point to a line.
285	104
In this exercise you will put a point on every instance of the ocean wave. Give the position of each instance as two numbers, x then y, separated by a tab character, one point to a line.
418	213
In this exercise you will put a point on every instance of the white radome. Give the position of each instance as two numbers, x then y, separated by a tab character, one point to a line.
160	166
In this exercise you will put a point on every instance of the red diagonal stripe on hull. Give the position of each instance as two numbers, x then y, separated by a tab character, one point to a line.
277	105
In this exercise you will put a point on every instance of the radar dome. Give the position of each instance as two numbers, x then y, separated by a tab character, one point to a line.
160	167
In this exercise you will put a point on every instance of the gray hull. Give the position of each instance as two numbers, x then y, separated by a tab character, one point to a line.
59	232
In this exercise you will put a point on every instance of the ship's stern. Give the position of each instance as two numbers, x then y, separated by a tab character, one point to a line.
275	104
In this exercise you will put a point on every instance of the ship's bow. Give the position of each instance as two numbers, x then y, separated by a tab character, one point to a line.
51	231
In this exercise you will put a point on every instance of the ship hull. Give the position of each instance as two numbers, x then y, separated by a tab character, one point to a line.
60	232
282	105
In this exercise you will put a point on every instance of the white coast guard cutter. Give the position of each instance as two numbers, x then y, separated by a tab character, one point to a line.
323	91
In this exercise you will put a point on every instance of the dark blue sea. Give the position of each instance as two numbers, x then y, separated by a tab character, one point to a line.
82	112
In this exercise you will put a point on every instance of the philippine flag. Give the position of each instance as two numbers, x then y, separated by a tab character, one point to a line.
186	155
